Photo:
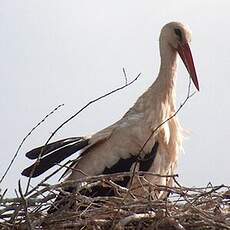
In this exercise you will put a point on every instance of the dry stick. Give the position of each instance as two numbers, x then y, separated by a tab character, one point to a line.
148	139
184	196
125	75
214	188
72	117
24	203
134	217
205	216
46	178
3	194
91	179
24	139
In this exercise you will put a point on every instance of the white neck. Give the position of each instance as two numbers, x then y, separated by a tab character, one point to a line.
162	91
167	74
164	86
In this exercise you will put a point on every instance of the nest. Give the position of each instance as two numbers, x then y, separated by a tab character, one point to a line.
184	208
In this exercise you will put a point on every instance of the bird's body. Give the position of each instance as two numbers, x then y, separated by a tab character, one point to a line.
136	138
127	137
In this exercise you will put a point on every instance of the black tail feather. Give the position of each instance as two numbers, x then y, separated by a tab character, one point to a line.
58	155
44	150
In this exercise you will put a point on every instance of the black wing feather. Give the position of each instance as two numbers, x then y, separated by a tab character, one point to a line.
123	165
53	158
148	159
44	150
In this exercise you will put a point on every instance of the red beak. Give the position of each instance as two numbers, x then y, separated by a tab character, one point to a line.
186	56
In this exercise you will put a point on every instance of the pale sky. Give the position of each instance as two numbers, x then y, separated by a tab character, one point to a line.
54	52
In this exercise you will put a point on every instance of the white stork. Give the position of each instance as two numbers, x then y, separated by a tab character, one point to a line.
117	147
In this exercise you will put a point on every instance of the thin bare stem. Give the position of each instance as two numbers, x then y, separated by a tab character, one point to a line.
24	139
24	202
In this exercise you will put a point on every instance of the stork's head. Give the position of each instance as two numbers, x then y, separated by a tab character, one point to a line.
178	36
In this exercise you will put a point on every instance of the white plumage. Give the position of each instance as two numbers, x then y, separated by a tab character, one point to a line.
114	148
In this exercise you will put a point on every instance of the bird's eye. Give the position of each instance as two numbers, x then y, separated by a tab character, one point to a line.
178	33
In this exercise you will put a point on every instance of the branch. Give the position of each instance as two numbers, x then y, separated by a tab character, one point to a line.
24	139
134	217
24	203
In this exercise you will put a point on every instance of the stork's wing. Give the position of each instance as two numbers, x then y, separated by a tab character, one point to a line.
52	154
123	165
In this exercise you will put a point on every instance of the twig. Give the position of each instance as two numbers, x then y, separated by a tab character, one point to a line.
46	178
134	217
114	176
24	202
126	79
172	222
3	194
24	139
